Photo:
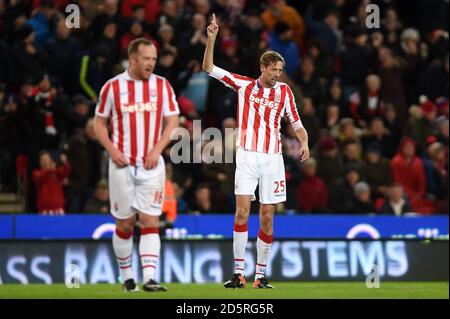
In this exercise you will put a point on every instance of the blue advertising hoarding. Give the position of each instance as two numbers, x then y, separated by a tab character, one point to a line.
6	226
221	226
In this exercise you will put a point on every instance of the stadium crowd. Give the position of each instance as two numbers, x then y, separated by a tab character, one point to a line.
373	100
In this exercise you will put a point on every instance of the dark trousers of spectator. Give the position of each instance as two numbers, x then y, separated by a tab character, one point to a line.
7	169
76	199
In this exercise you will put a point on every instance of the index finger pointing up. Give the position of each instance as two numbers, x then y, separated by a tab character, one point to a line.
213	18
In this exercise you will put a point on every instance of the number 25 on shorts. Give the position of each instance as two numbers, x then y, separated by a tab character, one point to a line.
279	187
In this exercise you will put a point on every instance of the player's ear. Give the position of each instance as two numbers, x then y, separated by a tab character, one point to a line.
262	68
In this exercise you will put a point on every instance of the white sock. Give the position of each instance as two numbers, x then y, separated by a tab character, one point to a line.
123	247
240	238
263	245
149	248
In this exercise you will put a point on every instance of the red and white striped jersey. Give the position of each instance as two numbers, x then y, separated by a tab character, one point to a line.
135	109
260	111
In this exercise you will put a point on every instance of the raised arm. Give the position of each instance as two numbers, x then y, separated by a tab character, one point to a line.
208	58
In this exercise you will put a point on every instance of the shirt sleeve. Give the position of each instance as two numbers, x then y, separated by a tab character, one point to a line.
291	110
105	101
231	80
170	104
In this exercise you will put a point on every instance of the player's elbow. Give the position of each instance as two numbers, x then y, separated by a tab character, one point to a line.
207	67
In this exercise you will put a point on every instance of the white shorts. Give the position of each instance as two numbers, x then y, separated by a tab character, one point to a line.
267	170
133	189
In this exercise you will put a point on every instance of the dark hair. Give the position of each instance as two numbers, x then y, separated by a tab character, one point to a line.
133	47
201	186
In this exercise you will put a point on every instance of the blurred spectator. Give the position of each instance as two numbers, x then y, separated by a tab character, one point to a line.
377	133
30	60
14	133
361	203
393	125
396	202
107	12
343	189
323	62
192	41
41	19
351	152
312	193
326	31
99	203
45	124
391	69
109	40
281	41
407	170
391	27
354	61
152	8
139	14
197	83
136	30
421	124
310	121
165	67
62	49
376	170
49	182
219	175
84	154
435	165
442	131
93	70
293	178
336	96
433	82
411	51
166	39
202	202
168	15
332	118
308	81
182	205
329	164
277	11
6	62
347	131
367	103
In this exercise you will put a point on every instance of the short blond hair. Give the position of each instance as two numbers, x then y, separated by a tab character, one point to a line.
270	57
133	47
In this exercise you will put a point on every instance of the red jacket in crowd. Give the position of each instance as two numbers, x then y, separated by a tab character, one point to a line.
312	194
49	188
410	174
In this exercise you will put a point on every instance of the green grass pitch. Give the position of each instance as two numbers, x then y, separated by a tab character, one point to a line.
284	290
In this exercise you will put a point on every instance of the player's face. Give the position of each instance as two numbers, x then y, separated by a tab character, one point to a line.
144	61
271	74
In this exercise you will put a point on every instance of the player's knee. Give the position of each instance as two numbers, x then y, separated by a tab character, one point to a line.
241	214
125	226
266	219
